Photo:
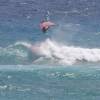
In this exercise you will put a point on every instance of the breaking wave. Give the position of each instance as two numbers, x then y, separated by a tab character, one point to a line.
64	54
47	52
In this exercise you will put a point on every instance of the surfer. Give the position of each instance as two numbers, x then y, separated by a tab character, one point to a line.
45	25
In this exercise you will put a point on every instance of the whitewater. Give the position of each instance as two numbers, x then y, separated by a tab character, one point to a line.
64	54
51	52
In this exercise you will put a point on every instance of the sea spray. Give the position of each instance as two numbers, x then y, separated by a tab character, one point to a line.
64	54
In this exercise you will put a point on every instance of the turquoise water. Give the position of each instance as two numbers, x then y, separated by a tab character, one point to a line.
62	64
52	83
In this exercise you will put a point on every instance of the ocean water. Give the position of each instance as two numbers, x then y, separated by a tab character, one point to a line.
62	64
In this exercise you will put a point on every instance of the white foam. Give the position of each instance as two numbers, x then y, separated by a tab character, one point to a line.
64	54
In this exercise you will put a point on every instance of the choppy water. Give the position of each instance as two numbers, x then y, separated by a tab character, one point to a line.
62	64
52	83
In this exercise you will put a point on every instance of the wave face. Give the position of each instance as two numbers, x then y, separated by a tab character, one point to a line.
15	54
47	52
